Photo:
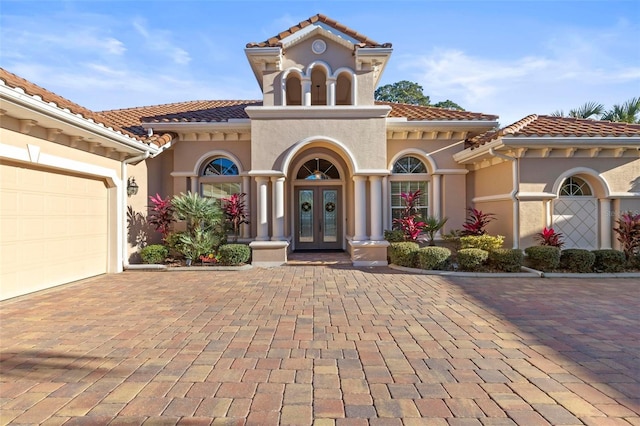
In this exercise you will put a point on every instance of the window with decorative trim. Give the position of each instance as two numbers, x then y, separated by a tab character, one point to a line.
409	174
575	187
220	179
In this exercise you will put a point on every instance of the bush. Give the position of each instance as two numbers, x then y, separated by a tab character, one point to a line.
482	242
609	260
507	260
543	258
436	258
403	254
234	254
577	260
154	253
471	259
394	236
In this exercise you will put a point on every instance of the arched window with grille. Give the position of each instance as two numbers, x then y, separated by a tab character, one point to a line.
220	178
409	174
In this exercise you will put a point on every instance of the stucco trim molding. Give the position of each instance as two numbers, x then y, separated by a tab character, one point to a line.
317	112
493	198
296	148
536	196
604	185
624	195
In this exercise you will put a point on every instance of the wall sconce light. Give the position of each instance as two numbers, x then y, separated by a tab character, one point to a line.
132	186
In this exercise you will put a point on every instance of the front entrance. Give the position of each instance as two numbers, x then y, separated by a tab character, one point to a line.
318	213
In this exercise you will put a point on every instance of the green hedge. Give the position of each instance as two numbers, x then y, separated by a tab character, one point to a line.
394	236
403	254
234	254
472	259
507	260
154	253
577	260
436	258
543	258
482	242
609	260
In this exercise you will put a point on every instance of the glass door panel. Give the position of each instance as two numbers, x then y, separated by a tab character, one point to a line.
330	212
305	218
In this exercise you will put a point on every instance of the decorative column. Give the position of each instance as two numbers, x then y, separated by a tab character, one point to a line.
263	217
277	210
386	222
194	184
605	223
375	185
245	229
360	208
436	189
306	92
331	91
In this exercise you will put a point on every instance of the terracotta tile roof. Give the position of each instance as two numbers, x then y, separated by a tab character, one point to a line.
546	125
29	88
276	40
419	112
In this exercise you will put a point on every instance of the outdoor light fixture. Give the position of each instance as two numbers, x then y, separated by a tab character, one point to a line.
132	186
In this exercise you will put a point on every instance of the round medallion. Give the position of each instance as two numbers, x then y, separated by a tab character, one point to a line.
329	207
318	46
306	206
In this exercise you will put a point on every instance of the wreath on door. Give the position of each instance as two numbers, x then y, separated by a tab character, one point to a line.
330	207
306	206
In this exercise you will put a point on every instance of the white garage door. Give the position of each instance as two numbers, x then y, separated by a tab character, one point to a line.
54	229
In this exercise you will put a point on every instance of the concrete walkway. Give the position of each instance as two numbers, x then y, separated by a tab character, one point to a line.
322	345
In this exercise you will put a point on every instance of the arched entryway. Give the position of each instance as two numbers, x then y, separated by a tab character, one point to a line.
318	204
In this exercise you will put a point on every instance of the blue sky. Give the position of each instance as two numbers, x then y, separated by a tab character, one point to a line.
510	58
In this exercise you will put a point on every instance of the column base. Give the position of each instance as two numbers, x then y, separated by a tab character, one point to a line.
368	253
268	254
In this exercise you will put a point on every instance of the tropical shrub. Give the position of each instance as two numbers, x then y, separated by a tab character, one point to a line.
609	260
234	254
472	259
549	237
161	215
394	235
409	222
431	226
235	212
196	243
482	242
577	260
543	258
436	258
476	222
154	253
628	231
507	260
403	254
199	212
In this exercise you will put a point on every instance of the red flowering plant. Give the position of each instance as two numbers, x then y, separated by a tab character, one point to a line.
210	258
161	215
549	237
409	223
476	222
235	212
628	231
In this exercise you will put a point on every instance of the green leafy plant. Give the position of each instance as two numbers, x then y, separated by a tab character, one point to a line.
154	253
549	237
577	260
199	212
235	212
431	226
403	254
234	254
543	258
394	235
628	233
609	260
476	222
435	258
482	242
506	260
196	243
472	259
161	215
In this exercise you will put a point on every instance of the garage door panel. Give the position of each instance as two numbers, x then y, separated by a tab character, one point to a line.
60	229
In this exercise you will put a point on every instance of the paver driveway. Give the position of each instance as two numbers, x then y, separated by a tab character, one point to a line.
322	345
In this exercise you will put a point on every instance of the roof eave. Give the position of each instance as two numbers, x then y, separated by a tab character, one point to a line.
262	59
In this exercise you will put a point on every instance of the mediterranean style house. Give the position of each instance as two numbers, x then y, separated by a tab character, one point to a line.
322	163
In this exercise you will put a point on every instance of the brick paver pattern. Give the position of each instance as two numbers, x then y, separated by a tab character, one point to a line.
322	345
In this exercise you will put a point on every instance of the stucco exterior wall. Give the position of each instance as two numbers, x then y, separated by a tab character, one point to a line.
491	181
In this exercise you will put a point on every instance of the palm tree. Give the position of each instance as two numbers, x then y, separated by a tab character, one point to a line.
587	110
629	112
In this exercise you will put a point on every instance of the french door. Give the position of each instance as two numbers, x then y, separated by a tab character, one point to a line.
318	212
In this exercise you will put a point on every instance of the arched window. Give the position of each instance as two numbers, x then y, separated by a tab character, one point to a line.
343	90
575	187
318	87
409	174
294	90
318	169
220	179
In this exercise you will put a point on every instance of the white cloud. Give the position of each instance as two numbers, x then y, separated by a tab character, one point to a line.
160	42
